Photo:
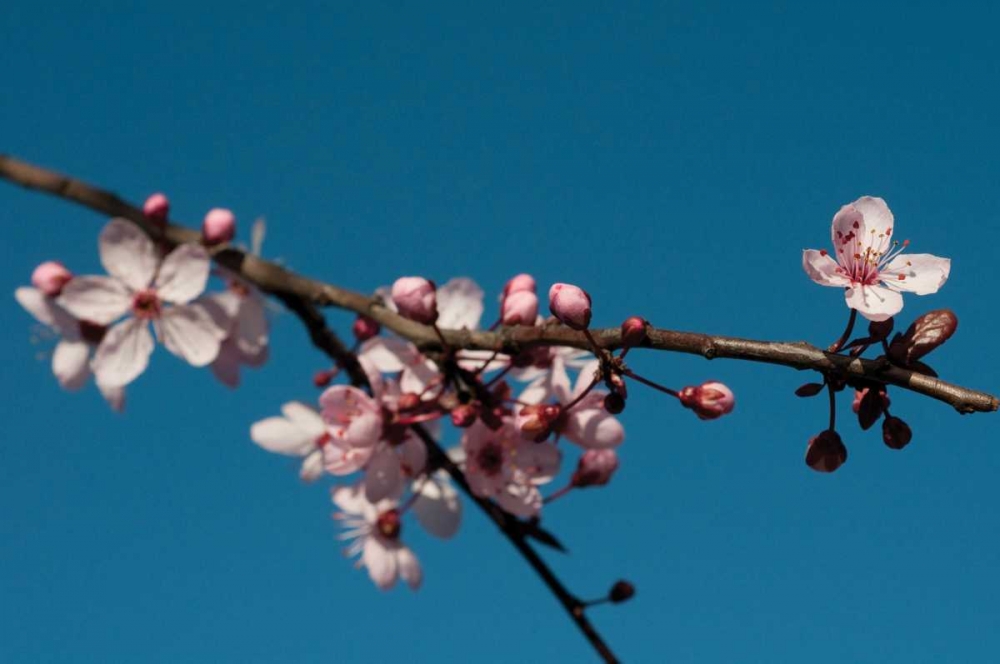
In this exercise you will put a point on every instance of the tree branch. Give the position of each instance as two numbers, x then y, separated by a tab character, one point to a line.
284	284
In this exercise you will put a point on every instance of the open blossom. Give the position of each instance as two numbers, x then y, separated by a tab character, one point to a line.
299	432
140	285
587	423
366	434
374	532
502	465
870	264
78	339
240	312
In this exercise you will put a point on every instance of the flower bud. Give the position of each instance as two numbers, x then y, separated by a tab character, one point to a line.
519	308
364	328
408	401
416	299
157	207
50	277
634	331
520	283
323	377
595	468
826	452
464	415
219	226
535	422
571	305
709	400
614	403
896	433
622	591
616	384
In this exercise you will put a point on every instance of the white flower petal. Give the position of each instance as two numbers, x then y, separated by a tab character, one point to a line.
878	218
190	333
383	478
115	396
252	326
304	417
312	467
183	275
279	435
822	269
124	353
127	254
874	302
389	354
922	274
47	312
460	304
98	299
380	561
437	507
70	364
409	568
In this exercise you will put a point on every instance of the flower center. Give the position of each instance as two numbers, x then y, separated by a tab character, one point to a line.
323	439
146	304
490	459
91	332
863	256
388	524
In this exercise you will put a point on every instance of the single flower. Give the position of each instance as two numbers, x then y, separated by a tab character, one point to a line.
870	264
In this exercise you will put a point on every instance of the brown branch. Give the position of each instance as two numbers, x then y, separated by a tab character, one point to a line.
283	283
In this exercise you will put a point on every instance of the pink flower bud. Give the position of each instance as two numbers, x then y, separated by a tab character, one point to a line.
364	328
520	283
571	305
595	468
157	207
219	226
323	377
634	331
826	452
536	421
464	415
614	403
50	277
416	299
622	591
709	400
519	308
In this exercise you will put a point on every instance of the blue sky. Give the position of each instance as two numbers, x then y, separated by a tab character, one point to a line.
673	159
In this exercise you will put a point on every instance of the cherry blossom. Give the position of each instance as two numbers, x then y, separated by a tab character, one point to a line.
219	226
502	465
571	305
140	284
300	431
78	340
240	312
586	422
870	265
373	530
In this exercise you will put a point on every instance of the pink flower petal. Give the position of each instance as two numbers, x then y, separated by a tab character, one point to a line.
312	467
226	366
114	396
922	274
593	428
281	436
252	326
45	310
127	254
822	269
381	563
874	302
70	364
460	304
124	353
437	507
847	230
383	478
878	218
389	354
183	275
99	299
190	333
305	418
409	568
354	419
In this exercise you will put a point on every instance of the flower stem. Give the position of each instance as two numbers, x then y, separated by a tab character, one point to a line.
839	343
656	386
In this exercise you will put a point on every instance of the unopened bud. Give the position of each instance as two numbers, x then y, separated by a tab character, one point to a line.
364	328
408	401
826	452
519	308
520	283
464	415
896	433
50	277
416	299
709	400
595	468
157	208
323	377
634	331
616	384
614	403
219	226
535	422
622	591
571	305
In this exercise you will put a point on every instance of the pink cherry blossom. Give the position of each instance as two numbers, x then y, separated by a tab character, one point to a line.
373	530
586	423
299	432
415	299
870	265
502	465
140	285
157	207
709	401
219	226
519	308
240	312
571	305
78	340
50	277
595	468
520	282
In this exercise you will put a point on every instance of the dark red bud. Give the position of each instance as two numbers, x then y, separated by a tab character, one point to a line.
826	452
364	328
809	390
634	331
323	377
614	403
465	415
896	433
622	591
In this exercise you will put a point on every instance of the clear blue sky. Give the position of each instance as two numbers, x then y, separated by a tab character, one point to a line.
673	159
